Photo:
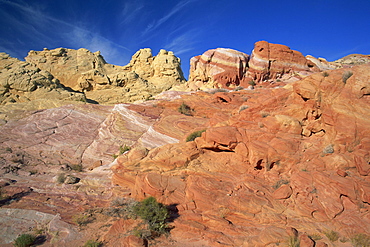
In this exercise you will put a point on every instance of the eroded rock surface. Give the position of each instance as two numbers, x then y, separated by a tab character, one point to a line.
218	68
146	75
23	82
278	159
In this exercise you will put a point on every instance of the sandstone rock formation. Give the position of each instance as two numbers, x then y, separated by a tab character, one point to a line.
272	61
23	82
278	159
146	75
269	65
354	59
218	68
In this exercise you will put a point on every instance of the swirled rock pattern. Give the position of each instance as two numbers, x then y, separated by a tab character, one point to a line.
283	162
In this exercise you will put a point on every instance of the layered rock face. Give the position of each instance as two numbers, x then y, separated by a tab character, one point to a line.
88	72
218	68
272	61
269	65
272	163
23	82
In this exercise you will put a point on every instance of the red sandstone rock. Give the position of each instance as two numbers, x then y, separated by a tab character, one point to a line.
272	61
294	138
218	68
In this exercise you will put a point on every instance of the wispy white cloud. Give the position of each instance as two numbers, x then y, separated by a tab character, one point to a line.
130	11
157	23
183	43
40	25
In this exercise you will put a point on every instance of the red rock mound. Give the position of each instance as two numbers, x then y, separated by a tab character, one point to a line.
272	61
220	68
283	162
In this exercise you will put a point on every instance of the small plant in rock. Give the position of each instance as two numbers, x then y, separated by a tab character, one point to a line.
325	74
243	107
25	240
124	149
185	109
252	83
218	90
346	75
293	241
77	168
361	240
332	235
93	243
82	219
315	236
279	183
194	135
122	208
61	178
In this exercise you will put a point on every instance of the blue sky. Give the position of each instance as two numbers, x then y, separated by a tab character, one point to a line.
322	28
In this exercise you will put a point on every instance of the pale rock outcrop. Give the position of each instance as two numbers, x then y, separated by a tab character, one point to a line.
146	75
67	65
22	81
323	64
354	59
218	68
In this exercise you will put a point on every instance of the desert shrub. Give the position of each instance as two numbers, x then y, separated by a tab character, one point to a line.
361	240
315	236
325	74
293	241
185	109
252	83
332	235
93	243
346	75
122	208
153	213
77	168
279	183
194	135
219	90
328	149
61	178
238	88
243	107
25	240
82	219
123	149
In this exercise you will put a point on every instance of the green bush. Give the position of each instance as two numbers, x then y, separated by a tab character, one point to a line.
293	241
346	75
123	149
82	219
361	240
77	168
25	240
61	178
325	74
185	109
194	135
93	243
153	213
252	83
332	235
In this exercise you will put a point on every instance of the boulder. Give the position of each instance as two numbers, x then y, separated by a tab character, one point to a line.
272	61
218	68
